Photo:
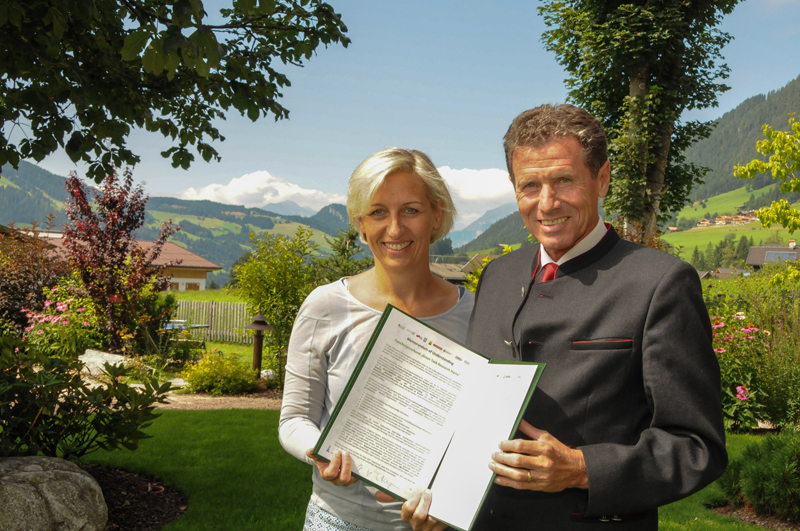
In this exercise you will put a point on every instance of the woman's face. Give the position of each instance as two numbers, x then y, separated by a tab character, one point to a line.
400	221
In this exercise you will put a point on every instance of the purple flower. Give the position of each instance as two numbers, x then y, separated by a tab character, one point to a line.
741	392
720	350
717	324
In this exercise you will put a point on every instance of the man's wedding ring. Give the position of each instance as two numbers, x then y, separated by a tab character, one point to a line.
529	477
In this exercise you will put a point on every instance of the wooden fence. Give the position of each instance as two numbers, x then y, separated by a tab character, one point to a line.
225	320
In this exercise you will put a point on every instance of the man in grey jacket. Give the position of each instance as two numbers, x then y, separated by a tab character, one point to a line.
627	415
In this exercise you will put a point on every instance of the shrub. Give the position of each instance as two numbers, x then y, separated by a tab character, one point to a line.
767	476
66	326
219	374
45	407
27	266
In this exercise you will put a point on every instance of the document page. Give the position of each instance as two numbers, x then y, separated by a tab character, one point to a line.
488	416
397	417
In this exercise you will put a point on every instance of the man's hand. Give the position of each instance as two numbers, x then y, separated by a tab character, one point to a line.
415	512
543	463
337	471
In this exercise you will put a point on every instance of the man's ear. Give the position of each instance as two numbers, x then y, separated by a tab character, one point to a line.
604	175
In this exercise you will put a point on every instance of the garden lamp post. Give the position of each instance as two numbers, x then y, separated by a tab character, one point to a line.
259	324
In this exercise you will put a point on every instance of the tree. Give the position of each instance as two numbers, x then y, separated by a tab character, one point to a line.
342	263
118	274
637	66
783	149
27	267
80	75
275	281
442	247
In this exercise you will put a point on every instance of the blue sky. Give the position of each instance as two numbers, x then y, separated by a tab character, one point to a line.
442	76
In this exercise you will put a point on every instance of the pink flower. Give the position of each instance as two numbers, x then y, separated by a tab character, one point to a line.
25	310
86	323
47	303
720	350
81	309
16	350
61	307
717	324
29	328
751	329
741	392
39	332
55	288
47	319
739	316
66	321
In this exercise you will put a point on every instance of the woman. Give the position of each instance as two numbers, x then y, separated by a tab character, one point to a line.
401	205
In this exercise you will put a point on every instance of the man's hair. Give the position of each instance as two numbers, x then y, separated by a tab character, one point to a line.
536	127
370	175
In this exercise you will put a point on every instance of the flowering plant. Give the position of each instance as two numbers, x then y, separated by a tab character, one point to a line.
740	347
66	327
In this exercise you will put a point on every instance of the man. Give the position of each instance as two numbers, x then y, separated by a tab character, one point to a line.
627	415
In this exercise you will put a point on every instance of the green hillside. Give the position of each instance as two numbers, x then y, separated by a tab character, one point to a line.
507	231
733	141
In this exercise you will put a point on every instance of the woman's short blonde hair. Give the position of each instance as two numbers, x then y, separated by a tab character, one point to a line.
371	173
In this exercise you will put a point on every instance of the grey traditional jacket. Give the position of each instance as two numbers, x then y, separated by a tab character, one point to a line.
631	379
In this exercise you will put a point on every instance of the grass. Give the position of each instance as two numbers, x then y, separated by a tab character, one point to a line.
229	463
702	236
211	295
723	204
236	475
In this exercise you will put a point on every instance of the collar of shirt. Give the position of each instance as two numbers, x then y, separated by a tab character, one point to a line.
591	239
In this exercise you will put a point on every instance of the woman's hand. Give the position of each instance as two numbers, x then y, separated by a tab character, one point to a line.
337	471
415	512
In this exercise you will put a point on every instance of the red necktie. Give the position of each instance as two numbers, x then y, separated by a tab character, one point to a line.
549	272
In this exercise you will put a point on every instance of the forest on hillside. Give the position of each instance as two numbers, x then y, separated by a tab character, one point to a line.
734	140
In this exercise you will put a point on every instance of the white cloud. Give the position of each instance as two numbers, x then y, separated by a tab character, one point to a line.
476	191
261	188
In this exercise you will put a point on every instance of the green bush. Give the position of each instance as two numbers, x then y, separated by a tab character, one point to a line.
219	374
45	407
767	476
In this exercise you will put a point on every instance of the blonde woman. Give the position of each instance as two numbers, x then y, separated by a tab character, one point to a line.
400	204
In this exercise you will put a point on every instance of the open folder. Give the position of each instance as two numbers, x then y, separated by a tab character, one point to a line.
423	411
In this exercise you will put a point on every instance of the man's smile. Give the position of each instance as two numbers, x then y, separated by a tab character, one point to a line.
551	222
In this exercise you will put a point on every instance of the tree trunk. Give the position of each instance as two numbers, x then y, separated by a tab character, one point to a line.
655	182
637	90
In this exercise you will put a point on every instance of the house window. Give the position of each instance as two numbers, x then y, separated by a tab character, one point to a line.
174	286
192	286
779	256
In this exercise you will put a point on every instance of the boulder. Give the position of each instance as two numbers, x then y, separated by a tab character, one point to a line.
93	361
49	494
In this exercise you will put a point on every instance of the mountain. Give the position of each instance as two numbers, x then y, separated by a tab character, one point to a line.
471	231
30	194
508	231
288	208
733	141
330	219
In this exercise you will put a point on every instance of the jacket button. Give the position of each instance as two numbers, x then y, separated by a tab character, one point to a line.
604	519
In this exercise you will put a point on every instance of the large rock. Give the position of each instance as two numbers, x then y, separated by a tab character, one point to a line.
94	360
49	494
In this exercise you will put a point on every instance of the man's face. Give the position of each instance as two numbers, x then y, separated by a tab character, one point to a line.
556	193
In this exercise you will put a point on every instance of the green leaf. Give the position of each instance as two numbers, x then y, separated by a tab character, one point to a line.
135	43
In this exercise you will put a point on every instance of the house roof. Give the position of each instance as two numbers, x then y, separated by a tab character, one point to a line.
169	253
729	272
449	272
757	256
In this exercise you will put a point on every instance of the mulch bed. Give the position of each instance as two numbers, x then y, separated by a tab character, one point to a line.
748	515
137	502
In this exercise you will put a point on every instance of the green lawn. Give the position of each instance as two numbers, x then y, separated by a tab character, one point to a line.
236	475
211	295
229	463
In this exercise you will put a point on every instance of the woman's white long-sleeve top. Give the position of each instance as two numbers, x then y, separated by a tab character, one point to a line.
330	333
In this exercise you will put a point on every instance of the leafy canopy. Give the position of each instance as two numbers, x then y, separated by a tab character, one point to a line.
79	75
637	66
783	149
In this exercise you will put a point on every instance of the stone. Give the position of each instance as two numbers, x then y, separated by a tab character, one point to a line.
267	375
49	494
93	361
